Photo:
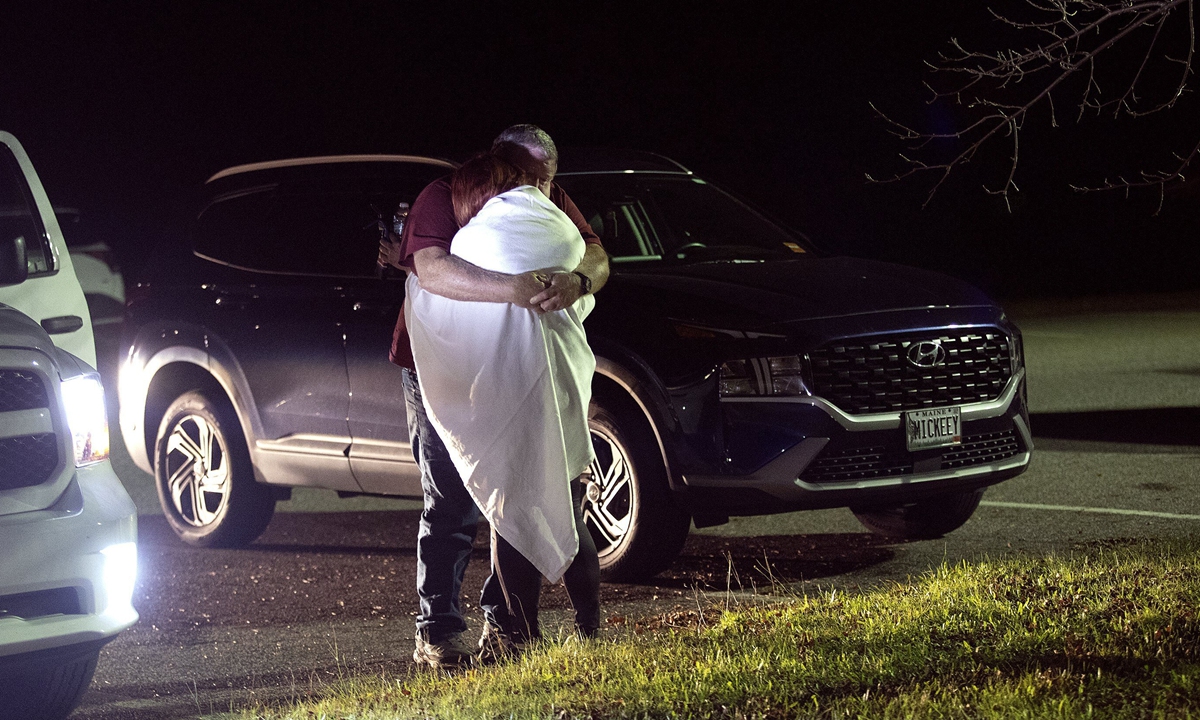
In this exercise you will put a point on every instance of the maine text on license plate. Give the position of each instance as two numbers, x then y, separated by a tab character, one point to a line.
938	427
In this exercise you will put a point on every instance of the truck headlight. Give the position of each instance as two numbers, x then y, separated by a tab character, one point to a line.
778	376
83	398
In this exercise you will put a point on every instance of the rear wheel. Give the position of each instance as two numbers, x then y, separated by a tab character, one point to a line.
636	524
204	476
922	520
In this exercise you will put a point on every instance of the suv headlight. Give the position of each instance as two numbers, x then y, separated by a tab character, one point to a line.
83	398
1016	352
778	376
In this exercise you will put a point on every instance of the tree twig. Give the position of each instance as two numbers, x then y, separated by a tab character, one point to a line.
998	89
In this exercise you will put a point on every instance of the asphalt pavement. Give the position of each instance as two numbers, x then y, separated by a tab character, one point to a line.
328	590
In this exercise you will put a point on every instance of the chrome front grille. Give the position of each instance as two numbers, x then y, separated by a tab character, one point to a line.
875	374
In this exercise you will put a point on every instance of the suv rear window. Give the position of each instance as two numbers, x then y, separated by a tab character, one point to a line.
311	228
18	217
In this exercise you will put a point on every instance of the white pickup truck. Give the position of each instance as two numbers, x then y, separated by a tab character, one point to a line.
68	529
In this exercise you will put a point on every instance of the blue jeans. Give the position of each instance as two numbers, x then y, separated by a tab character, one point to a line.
448	525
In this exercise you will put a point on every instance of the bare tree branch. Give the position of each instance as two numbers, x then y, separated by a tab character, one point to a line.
1069	40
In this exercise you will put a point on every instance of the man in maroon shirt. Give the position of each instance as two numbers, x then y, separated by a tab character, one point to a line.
450	517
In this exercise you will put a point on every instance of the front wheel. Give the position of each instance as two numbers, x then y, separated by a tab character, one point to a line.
636	524
48	688
204	476
922	520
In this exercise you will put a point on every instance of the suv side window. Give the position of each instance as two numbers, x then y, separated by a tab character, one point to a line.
298	230
625	230
618	217
19	218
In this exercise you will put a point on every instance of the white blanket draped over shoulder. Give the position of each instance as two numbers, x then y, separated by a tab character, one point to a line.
507	389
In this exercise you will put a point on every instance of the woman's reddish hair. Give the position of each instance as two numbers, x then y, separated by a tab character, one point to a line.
480	179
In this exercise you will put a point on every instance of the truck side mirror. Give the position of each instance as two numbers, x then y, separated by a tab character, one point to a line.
14	267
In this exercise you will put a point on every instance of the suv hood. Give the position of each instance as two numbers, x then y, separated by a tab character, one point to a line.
767	293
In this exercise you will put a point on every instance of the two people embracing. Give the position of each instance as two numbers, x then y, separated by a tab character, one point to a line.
497	381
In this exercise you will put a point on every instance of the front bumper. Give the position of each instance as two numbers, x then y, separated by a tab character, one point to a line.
848	460
66	577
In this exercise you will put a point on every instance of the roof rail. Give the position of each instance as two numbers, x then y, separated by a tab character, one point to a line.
327	160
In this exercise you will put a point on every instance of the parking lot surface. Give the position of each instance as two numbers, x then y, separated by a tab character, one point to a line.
328	590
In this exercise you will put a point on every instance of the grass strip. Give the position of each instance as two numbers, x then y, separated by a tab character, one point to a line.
1106	632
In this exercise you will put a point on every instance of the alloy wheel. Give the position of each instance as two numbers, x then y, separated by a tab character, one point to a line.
610	504
198	471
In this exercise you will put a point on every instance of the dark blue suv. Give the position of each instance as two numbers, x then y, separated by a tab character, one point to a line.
739	370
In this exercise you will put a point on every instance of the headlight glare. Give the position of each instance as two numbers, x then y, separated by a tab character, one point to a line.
83	398
120	572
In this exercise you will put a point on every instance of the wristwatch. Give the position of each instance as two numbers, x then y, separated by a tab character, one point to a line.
585	282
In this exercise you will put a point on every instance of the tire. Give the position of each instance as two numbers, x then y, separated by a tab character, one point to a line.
48	689
204	476
921	520
628	508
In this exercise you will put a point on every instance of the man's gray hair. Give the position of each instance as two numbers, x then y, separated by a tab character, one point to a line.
531	137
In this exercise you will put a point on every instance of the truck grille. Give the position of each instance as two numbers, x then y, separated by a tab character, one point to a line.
865	463
872	375
21	391
25	460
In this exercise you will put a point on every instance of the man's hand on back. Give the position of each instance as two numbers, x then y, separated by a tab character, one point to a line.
565	288
449	276
562	292
527	287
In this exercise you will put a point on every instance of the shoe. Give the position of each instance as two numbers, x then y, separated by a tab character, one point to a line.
450	654
496	645
587	633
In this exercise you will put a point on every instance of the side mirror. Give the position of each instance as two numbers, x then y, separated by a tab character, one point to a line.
14	264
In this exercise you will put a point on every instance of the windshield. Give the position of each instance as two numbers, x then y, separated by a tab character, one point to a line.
641	217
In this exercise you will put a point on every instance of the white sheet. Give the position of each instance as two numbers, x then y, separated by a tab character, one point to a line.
506	389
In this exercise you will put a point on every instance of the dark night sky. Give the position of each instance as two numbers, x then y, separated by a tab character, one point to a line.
126	107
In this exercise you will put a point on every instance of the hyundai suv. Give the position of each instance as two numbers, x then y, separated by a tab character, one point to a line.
739	370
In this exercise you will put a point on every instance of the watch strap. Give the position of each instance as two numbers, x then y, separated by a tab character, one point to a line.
585	282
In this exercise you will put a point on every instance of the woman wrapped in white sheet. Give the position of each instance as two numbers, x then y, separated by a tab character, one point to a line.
508	389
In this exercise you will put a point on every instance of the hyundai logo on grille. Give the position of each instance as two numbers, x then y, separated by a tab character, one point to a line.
927	354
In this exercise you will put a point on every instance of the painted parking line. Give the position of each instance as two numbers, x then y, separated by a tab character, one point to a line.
1103	511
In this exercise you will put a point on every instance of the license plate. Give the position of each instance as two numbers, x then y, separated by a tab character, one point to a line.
938	427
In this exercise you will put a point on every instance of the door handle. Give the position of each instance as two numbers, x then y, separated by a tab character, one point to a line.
62	324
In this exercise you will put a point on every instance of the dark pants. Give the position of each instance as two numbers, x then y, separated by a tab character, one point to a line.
521	583
448	526
447	534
